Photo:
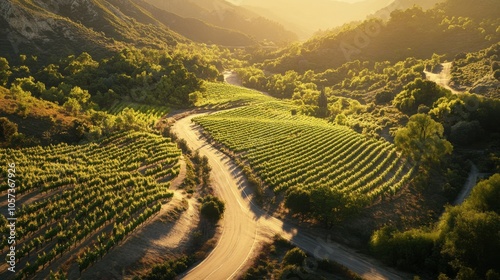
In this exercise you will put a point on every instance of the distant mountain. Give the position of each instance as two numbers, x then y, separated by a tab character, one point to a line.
447	29
196	29
307	17
403	5
62	27
228	16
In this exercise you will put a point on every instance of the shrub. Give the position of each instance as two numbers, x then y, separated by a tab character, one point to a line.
212	208
294	257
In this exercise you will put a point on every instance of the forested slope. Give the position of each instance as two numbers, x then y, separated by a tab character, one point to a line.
448	29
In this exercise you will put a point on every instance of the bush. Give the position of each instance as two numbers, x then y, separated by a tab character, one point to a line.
212	208
294	257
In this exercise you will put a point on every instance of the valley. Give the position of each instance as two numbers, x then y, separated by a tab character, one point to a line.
224	139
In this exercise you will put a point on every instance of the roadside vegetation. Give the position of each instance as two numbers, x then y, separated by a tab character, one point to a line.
279	259
463	244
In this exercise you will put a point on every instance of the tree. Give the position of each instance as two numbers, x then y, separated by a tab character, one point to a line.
322	104
4	71
7	130
422	140
298	200
329	205
294	257
485	196
416	93
472	239
212	208
72	106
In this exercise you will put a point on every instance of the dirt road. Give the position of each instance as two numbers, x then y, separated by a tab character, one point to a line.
443	77
244	224
239	224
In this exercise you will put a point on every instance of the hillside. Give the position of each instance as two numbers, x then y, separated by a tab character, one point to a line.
307	17
55	28
197	29
38	121
408	33
225	15
385	12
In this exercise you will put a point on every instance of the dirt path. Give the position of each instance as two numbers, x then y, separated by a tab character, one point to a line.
239	225
442	78
474	175
245	224
231	77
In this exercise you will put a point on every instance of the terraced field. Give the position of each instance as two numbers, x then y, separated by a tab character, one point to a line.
287	150
76	202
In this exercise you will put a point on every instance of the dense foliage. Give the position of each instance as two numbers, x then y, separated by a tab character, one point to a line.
464	242
212	208
281	260
168	270
422	140
146	76
408	33
94	194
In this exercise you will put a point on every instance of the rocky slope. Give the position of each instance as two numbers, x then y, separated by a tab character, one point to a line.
60	27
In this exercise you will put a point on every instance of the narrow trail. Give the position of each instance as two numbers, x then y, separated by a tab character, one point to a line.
469	184
472	179
245	225
442	78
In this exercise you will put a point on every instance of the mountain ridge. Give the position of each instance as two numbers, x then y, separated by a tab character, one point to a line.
55	28
226	15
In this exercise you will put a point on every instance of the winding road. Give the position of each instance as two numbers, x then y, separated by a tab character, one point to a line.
245	225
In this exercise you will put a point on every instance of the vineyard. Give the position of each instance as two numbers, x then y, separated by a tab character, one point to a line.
287	150
221	95
76	202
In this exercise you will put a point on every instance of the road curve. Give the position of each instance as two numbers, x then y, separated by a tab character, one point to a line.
244	223
239	225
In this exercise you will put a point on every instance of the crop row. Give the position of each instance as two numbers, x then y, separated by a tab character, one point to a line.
71	194
287	150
